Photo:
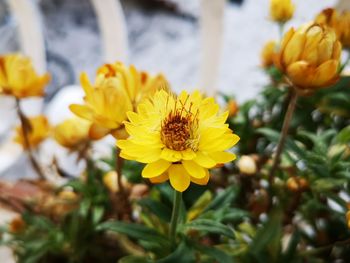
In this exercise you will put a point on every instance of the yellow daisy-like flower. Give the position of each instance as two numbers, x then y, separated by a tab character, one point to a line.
179	138
39	131
19	79
117	90
72	133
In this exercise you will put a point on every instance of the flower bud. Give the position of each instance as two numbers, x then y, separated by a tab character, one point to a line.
232	108
310	57
281	10
268	54
246	165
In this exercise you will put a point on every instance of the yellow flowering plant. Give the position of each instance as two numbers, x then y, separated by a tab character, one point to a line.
170	190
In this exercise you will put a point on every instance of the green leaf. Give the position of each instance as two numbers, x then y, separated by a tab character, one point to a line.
344	135
97	214
327	184
135	231
215	253
210	226
223	199
134	259
157	208
84	207
183	254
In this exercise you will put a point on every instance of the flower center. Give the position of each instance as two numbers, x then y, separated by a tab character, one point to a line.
177	130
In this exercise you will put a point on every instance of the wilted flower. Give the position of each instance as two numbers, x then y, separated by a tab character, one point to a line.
18	77
17	225
268	54
179	138
117	90
38	132
232	107
246	164
281	10
340	22
72	133
310	57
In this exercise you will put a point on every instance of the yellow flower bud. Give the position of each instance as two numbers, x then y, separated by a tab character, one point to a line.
72	133
67	195
310	57
340	22
17	225
246	164
281	10
268	54
19	79
39	131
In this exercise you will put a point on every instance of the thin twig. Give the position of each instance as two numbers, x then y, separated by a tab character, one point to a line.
119	161
284	133
25	130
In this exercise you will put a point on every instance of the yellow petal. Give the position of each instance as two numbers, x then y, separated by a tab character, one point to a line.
222	157
159	179
82	111
294	48
204	160
155	169
179	178
201	181
300	73
97	132
194	169
170	155
326	74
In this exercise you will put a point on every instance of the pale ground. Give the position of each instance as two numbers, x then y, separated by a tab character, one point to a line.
159	42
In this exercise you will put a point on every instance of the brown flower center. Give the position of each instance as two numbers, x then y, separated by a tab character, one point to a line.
177	130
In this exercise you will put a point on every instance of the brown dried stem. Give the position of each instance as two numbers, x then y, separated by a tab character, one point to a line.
26	128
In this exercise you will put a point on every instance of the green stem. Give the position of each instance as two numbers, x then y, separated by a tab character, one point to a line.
280	30
175	216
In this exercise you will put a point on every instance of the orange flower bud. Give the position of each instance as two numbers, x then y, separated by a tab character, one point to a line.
268	54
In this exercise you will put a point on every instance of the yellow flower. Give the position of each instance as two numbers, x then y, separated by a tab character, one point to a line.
310	57
268	54
281	10
72	133
39	131
179	138
340	22
19	79
117	90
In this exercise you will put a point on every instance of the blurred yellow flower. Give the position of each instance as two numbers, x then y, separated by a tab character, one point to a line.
72	133
18	77
340	22
117	90
281	10
310	57
39	131
179	138
268	54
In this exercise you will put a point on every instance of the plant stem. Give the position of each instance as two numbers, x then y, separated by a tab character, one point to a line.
285	128
175	216
25	130
280	30
119	161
